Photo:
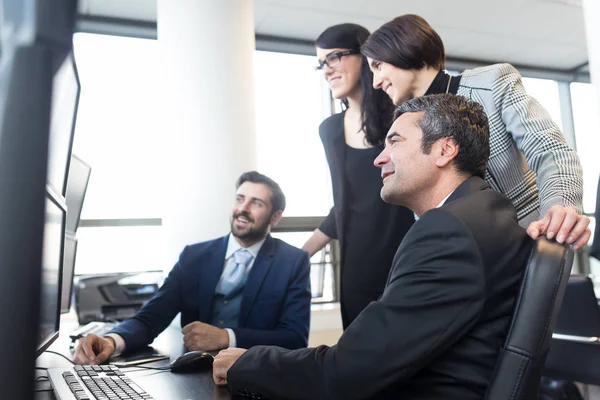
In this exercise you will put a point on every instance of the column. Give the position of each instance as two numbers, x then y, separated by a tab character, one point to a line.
207	94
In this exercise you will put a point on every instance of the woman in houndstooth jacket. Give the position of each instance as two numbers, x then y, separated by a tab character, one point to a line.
407	58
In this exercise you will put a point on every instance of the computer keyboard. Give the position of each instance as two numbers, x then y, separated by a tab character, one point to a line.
94	382
97	328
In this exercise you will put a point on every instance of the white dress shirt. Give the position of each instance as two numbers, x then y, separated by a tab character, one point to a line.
232	247
439	205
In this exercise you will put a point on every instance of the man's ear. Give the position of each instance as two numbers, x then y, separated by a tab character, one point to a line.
447	151
275	218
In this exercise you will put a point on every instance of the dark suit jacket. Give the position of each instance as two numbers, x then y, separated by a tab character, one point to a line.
275	306
436	331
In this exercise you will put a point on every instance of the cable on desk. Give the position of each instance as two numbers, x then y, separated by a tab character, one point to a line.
62	355
42	378
43	390
42	368
144	367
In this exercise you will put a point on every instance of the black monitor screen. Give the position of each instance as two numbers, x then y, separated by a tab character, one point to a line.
52	261
70	250
65	98
79	176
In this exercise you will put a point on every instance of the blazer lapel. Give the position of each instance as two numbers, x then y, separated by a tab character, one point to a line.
210	273
258	273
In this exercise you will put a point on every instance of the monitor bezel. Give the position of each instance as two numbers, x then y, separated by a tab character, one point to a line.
71	59
72	236
87	182
58	201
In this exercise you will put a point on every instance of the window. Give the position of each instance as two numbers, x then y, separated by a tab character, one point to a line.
545	91
117	134
289	109
586	111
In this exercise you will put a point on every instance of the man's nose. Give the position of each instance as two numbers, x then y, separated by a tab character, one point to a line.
244	206
383	158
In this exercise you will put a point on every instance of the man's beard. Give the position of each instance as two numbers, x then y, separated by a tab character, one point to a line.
252	233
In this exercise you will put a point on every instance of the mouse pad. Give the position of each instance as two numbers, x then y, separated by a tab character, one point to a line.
143	356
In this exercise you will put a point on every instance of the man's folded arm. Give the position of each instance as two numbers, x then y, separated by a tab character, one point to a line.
293	325
434	296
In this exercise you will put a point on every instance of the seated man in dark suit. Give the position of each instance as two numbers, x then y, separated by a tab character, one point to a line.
436	331
244	289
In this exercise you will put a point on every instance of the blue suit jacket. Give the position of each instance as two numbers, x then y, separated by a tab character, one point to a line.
275	307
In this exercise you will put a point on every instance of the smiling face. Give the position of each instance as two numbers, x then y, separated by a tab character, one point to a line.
396	82
344	78
406	171
252	215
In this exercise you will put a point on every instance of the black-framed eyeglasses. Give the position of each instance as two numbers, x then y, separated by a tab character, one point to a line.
333	60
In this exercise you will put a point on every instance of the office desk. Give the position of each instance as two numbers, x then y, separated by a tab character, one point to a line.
162	385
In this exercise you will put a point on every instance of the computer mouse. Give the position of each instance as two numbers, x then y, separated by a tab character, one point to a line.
192	360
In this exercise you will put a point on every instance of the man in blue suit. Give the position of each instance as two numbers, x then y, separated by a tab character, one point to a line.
240	290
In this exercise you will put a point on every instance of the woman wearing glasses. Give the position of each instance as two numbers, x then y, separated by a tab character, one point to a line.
368	229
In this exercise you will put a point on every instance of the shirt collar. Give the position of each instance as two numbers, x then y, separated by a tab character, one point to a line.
233	246
444	200
439	205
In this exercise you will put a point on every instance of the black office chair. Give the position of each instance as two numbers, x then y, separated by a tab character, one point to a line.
519	367
575	352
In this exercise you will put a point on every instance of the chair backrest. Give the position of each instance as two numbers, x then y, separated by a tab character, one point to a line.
519	366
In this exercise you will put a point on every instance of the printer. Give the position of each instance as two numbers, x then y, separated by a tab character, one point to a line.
114	297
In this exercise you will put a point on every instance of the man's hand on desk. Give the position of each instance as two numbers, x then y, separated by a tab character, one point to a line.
201	336
223	361
93	349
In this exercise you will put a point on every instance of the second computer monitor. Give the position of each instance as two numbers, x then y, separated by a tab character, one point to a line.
65	101
79	176
70	252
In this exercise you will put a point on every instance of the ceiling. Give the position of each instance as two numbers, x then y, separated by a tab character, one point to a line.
523	32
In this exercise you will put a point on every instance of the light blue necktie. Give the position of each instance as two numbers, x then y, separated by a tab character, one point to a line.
234	278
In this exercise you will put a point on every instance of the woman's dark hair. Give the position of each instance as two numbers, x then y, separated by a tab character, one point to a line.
277	196
407	42
376	107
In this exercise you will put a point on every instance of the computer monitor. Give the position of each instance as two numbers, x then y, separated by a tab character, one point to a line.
68	270
65	95
40	34
52	267
79	176
65	99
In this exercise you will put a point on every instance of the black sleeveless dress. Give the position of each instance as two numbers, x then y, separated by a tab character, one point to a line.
372	233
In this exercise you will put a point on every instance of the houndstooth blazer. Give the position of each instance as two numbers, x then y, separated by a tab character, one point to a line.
525	145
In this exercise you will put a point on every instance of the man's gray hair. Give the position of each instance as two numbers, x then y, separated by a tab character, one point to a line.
448	115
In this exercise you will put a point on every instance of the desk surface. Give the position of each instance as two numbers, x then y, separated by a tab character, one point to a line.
162	385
